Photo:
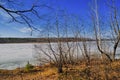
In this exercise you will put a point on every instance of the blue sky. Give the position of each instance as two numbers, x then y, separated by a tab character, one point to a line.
80	8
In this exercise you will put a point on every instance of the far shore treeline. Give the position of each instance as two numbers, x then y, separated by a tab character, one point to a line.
42	40
45	40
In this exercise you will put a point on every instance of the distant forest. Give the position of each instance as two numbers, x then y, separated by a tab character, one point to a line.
32	40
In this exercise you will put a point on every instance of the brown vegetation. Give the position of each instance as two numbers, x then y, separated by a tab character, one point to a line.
97	70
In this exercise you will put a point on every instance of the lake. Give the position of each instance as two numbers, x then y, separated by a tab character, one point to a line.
16	55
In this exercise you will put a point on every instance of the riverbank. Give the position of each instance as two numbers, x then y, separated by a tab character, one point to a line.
97	70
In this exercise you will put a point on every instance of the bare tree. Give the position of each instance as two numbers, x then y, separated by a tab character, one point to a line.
114	33
60	53
54	51
115	27
22	14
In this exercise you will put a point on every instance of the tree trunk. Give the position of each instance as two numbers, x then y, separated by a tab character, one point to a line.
60	70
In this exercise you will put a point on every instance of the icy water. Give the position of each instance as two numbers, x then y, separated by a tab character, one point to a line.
15	55
18	54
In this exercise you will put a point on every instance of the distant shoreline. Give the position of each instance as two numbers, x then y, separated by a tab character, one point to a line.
44	40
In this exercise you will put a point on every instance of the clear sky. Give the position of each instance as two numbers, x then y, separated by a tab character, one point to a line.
80	8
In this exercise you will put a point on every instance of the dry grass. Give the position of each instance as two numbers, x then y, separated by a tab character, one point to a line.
97	70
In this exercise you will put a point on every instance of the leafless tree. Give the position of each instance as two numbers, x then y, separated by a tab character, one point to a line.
60	53
83	47
114	25
54	52
11	7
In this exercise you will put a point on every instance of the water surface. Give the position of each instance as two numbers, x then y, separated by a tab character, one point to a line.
18	54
